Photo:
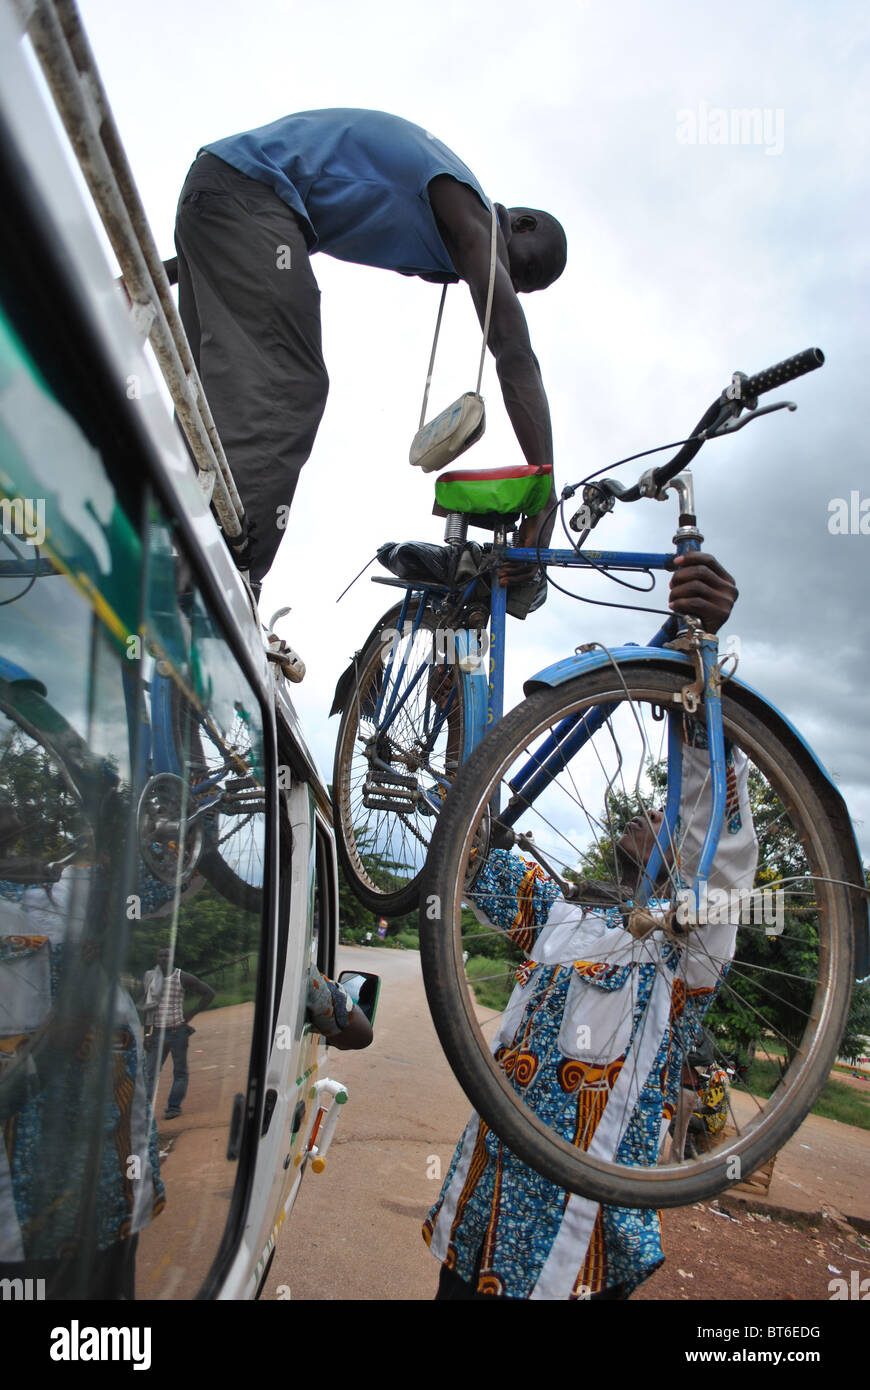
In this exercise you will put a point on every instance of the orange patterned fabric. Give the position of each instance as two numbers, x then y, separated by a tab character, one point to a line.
597	1082
593	1274
678	997
521	931
475	1172
488	1278
520	1065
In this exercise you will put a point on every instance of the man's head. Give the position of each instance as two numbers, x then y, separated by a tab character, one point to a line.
635	846
537	248
164	958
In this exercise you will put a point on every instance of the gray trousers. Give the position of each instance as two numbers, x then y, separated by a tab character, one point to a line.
250	306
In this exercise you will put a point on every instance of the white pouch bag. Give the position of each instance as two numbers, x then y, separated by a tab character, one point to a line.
459	426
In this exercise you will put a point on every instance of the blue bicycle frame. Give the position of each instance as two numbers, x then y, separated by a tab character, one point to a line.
483	696
481	689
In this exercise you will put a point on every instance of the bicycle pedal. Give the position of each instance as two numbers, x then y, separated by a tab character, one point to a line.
373	797
399	796
401	808
389	780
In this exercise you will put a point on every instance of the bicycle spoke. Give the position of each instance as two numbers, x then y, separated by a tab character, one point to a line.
391	774
661	983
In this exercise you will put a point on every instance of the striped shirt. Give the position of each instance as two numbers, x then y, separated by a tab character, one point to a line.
170	1010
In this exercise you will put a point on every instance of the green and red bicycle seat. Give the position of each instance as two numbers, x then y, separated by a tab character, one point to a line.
493	491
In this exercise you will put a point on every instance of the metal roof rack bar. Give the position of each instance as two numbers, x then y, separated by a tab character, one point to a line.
61	45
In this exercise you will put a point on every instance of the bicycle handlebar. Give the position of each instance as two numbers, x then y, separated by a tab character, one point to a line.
740	394
787	370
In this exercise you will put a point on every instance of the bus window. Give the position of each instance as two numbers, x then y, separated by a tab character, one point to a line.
133	828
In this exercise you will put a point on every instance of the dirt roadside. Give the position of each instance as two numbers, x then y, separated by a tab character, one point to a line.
726	1251
809	1231
355	1231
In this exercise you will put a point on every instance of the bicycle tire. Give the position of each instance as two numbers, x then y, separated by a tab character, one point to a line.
397	839
232	857
35	719
827	910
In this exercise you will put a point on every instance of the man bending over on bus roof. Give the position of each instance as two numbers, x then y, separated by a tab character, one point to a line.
365	187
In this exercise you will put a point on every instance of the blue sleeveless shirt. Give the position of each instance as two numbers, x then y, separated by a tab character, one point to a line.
358	180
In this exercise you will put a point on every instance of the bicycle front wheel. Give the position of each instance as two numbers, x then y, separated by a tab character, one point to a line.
583	1075
399	745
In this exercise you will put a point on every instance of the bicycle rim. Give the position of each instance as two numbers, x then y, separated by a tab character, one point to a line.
398	747
785	991
40	789
226	798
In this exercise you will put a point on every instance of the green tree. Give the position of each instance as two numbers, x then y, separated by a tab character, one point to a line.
491	962
598	860
210	932
780	1007
356	920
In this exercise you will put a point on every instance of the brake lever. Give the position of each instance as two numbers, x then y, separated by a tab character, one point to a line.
747	420
598	500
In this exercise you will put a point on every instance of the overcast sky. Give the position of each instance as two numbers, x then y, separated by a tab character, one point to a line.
688	257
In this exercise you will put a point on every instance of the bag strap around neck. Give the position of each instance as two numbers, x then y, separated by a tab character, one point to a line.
489	294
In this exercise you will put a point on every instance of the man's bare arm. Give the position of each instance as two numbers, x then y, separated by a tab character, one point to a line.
466	230
194	986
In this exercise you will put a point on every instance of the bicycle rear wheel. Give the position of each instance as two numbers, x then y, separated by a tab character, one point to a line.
45	771
582	1076
399	745
224	801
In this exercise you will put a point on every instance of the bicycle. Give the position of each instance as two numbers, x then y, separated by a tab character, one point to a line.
200	785
563	757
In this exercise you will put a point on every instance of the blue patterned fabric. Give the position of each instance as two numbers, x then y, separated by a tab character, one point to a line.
68	1103
329	1007
495	892
505	1209
48	1141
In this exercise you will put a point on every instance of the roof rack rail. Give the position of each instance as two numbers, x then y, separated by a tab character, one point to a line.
59	41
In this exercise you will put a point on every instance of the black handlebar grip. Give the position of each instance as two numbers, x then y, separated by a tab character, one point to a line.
783	371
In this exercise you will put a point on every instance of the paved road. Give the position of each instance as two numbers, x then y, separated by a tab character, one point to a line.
355	1230
177	1249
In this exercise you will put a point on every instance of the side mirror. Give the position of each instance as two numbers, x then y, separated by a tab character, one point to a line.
364	989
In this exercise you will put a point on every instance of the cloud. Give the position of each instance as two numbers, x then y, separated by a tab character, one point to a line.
685	262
